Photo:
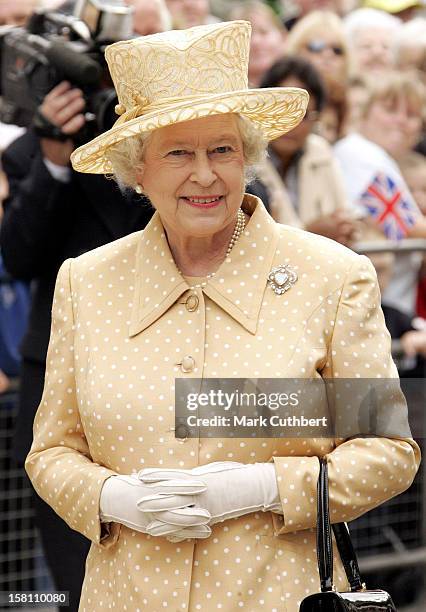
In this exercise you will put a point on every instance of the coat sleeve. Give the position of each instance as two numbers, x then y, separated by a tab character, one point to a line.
36	212
59	462
363	471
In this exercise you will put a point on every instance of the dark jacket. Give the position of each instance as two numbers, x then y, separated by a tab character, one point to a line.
45	222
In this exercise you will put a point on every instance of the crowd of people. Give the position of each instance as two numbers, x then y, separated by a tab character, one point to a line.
354	171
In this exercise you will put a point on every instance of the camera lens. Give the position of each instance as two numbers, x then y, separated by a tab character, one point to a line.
102	104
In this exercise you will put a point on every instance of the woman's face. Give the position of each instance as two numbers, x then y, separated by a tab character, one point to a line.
393	124
288	145
373	50
327	53
193	173
266	46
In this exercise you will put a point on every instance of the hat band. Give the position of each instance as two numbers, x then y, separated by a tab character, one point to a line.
144	106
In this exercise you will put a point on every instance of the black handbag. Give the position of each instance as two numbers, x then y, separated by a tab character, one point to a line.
330	600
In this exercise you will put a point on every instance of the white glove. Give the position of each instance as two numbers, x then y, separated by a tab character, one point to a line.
120	496
232	489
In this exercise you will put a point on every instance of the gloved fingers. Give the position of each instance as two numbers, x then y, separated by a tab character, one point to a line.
181	486
148	475
158	528
183	517
216	466
200	532
159	502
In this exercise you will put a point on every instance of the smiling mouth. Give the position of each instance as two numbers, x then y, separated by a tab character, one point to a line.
200	202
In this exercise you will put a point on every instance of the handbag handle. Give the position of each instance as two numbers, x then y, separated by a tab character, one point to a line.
324	540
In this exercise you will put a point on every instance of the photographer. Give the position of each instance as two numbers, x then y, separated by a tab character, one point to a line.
53	213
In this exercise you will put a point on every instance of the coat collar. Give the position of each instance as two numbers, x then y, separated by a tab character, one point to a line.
237	287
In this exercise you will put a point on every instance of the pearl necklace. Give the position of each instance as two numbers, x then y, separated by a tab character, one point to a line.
238	230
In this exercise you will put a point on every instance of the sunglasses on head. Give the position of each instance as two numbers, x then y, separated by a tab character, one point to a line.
317	46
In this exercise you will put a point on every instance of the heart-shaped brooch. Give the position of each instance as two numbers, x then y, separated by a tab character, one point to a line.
282	278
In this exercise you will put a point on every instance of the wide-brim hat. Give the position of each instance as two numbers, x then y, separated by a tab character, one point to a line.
181	75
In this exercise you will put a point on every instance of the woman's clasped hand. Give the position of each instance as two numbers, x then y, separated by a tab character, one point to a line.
159	509
181	504
231	490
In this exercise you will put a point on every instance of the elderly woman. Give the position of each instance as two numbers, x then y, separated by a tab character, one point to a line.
213	287
371	35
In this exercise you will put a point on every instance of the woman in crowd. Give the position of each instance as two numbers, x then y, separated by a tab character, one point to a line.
212	288
320	38
303	183
390	126
268	38
371	35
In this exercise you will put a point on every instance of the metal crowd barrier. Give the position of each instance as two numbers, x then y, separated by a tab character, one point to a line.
392	538
22	565
409	245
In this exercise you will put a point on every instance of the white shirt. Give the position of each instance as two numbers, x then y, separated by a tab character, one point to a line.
361	160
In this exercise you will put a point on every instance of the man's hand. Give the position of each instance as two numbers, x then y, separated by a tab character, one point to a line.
63	107
339	226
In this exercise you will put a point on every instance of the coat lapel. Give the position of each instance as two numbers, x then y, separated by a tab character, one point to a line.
237	287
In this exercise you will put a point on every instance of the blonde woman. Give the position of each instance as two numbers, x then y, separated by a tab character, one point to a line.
320	38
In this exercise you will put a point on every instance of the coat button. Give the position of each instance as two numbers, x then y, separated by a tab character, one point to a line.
181	432
187	364
192	302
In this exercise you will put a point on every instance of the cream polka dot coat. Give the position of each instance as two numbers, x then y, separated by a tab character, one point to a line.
124	322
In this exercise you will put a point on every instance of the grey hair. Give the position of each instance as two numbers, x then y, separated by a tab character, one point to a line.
369	18
127	156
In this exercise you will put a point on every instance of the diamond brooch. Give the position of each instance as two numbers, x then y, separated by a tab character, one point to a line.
282	278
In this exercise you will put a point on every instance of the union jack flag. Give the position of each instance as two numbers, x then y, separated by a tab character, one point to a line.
390	205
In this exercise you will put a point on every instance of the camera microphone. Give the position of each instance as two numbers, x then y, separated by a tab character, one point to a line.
77	67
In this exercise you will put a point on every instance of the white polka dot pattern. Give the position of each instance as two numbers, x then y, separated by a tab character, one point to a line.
123	330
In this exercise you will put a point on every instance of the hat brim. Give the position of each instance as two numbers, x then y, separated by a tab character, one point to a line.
274	111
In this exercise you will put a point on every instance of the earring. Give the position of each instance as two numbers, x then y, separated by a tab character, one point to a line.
138	188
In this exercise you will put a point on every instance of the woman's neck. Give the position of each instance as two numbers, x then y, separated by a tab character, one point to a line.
199	256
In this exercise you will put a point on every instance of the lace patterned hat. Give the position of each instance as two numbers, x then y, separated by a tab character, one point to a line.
182	75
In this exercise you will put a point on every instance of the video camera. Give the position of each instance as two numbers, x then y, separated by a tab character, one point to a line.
54	47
